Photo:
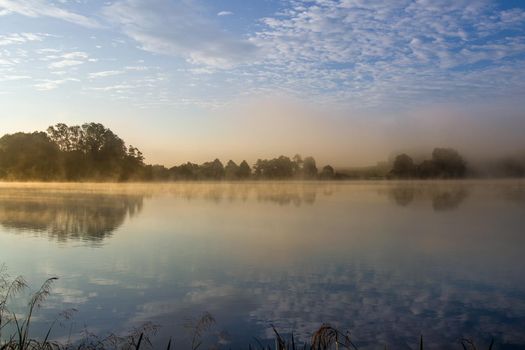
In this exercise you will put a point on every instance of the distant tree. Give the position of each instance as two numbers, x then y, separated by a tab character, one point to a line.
327	173
155	173
212	170
231	170
297	164
188	171
426	170
309	170
29	156
509	167
277	168
403	167
259	168
448	163
244	170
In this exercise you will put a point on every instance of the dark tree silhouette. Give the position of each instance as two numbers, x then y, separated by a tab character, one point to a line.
445	163
426	169
92	151
403	167
448	163
277	168
29	156
327	173
244	170
231	170
95	153
212	170
309	168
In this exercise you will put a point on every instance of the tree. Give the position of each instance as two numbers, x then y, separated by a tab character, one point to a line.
244	170
66	138
92	151
426	170
29	156
212	170
309	168
297	164
188	171
327	173
277	168
231	170
448	163
403	167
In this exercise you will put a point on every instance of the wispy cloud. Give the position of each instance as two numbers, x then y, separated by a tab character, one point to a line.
41	8
191	34
106	73
14	77
69	59
225	13
20	38
46	85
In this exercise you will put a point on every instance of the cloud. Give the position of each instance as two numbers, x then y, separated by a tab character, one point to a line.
118	87
14	77
70	59
103	74
225	13
40	8
47	84
395	52
20	38
179	29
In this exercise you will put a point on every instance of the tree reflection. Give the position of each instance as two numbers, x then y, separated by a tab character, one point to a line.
449	199
280	193
81	216
402	195
443	197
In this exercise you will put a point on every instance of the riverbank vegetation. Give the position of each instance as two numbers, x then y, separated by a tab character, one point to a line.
92	152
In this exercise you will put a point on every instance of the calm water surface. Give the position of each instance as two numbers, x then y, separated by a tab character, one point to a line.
387	261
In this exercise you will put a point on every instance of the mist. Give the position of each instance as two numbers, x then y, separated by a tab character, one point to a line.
342	137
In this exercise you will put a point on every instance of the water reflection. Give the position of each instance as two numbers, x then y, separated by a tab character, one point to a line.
79	216
92	212
387	260
443	197
281	193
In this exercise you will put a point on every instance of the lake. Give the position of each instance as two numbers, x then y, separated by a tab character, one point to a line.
388	261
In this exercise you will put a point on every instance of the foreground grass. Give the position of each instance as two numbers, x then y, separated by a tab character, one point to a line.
20	338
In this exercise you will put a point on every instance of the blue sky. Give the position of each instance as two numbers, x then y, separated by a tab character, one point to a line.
170	76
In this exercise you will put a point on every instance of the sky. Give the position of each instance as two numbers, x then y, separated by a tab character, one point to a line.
347	81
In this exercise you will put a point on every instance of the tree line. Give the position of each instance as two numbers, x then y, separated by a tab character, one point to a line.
446	163
92	152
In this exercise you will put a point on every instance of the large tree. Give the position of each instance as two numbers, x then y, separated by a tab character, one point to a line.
231	170
29	156
92	151
403	167
244	170
309	168
448	163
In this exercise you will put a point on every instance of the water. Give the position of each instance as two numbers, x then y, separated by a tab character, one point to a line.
388	260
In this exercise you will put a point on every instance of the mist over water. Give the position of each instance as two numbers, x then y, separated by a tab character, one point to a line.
343	137
387	260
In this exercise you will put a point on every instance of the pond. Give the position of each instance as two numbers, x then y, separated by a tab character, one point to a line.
387	261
